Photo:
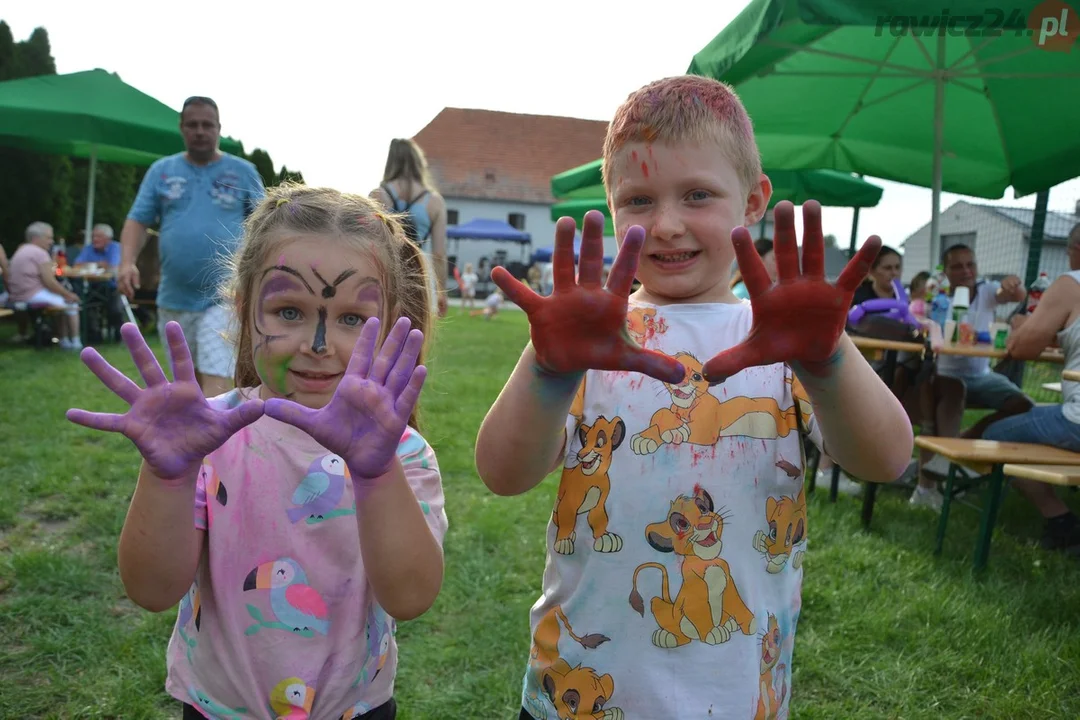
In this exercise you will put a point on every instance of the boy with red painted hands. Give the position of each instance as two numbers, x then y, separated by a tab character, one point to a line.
676	542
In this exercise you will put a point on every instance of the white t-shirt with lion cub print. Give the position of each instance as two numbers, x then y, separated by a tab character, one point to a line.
675	547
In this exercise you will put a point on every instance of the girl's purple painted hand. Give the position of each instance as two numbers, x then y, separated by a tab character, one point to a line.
170	423
366	417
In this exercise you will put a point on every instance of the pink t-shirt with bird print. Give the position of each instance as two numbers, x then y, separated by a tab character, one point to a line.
280	621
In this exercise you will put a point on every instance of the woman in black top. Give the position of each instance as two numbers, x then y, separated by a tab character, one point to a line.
879	283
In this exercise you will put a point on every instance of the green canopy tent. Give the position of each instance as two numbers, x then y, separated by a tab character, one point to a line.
969	100
92	115
582	190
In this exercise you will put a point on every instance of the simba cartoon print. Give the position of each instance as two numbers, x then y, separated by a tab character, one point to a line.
642	325
695	615
707	607
584	488
576	693
698	417
769	701
786	520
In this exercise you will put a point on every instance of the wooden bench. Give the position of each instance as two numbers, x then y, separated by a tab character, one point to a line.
988	458
1065	475
6	312
1073	375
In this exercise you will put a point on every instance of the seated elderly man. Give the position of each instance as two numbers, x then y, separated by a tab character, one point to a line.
984	387
103	251
33	281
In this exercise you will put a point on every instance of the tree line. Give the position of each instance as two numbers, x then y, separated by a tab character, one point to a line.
53	188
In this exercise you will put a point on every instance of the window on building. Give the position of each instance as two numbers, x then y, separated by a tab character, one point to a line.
516	220
451	217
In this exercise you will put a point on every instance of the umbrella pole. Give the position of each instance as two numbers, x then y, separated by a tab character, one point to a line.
854	233
91	182
854	229
939	122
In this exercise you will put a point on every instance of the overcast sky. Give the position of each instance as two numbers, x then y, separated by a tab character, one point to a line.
324	86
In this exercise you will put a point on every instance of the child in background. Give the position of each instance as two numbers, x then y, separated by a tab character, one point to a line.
296	518
491	305
917	295
468	286
675	546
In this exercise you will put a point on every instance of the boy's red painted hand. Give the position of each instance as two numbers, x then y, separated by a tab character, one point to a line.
799	319
582	325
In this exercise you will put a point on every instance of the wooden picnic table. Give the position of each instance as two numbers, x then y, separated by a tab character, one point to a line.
988	458
976	350
891	348
1073	375
87	276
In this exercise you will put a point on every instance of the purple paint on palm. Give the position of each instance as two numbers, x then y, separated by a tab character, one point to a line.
170	423
366	417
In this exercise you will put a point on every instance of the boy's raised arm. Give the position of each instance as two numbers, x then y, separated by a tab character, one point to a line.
522	436
800	320
581	327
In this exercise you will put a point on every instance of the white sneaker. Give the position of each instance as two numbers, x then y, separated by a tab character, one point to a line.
927	497
65	343
938	465
845	485
76	344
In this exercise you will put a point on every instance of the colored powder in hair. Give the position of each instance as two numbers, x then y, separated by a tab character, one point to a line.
649	133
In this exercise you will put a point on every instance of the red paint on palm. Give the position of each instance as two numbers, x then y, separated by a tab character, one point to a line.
800	318
582	324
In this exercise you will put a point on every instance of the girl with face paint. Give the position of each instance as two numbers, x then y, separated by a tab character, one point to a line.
302	510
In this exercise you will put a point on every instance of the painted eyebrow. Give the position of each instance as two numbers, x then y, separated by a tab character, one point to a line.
291	271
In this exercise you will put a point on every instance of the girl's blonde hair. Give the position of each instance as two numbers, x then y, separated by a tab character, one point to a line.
406	161
294	209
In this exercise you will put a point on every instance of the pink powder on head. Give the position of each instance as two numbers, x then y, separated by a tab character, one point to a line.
645	168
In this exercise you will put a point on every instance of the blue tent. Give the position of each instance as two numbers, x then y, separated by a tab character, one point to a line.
543	255
481	229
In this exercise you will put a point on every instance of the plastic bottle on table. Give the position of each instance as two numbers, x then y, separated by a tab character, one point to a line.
1036	291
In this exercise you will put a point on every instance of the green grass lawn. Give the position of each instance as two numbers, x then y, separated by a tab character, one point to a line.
887	631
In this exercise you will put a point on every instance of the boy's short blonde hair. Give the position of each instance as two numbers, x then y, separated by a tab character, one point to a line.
686	108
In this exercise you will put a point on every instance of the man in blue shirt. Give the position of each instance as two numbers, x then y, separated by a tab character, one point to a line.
201	198
102	250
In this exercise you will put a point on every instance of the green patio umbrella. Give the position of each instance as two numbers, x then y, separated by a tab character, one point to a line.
93	115
966	99
582	190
